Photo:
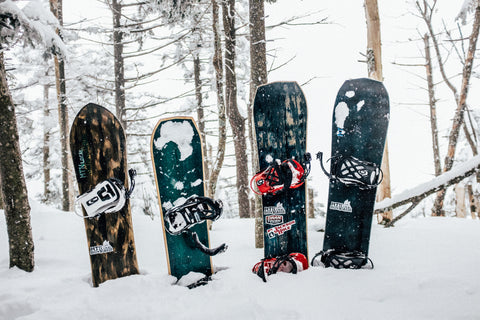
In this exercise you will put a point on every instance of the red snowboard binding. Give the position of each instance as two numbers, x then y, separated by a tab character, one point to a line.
280	176
290	263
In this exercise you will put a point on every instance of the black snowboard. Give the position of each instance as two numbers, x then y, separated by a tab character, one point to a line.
359	129
98	146
280	117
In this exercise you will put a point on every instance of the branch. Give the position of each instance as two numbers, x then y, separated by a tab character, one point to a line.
417	194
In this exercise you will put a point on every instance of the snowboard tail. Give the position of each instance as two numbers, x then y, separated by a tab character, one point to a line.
98	149
280	118
359	129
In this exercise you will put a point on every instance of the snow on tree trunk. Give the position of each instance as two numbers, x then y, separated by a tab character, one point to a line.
217	62
12	181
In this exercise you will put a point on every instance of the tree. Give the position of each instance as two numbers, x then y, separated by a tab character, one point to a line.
374	60
67	201
17	24
237	121
258	76
426	11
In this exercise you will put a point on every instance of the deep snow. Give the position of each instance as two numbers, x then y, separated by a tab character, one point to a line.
425	268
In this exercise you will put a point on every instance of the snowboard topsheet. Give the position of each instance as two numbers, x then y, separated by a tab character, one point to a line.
280	117
98	148
359	129
178	165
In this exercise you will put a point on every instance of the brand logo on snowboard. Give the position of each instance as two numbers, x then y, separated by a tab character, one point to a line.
281	229
274	219
278	209
338	206
106	247
82	166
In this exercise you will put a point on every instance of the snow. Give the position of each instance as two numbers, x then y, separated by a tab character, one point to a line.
425	268
180	133
341	113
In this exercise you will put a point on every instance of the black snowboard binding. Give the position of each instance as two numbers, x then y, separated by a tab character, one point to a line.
281	176
108	196
353	172
342	259
196	209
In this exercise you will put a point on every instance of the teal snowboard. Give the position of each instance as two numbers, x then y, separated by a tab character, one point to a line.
178	166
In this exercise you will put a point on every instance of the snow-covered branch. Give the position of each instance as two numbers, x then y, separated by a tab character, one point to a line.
420	192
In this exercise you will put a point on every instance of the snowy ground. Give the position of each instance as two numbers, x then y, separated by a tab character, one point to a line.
425	268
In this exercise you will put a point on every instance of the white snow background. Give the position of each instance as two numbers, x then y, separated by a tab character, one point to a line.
425	268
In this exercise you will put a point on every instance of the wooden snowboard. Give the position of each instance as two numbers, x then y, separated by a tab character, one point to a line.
98	148
178	165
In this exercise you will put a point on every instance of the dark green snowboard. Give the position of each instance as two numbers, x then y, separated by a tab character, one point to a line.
98	147
280	118
359	129
178	165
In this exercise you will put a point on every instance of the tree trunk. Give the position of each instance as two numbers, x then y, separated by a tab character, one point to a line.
119	68
12	181
374	56
67	193
311	203
46	144
237	121
201	119
460	208
433	108
222	119
258	76
473	201
437	209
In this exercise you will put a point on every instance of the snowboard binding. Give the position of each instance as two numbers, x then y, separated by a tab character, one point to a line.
108	196
290	263
280	176
342	259
353	172
196	209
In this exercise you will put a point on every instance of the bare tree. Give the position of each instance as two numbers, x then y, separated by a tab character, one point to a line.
237	121
426	11
12	181
67	192
374	60
217	61
258	76
433	106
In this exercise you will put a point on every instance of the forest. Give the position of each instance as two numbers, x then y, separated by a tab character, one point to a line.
145	60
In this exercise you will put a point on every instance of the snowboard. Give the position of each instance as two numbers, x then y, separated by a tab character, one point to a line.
98	149
280	119
359	129
176	150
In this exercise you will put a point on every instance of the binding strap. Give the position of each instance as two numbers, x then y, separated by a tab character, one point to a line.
339	259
